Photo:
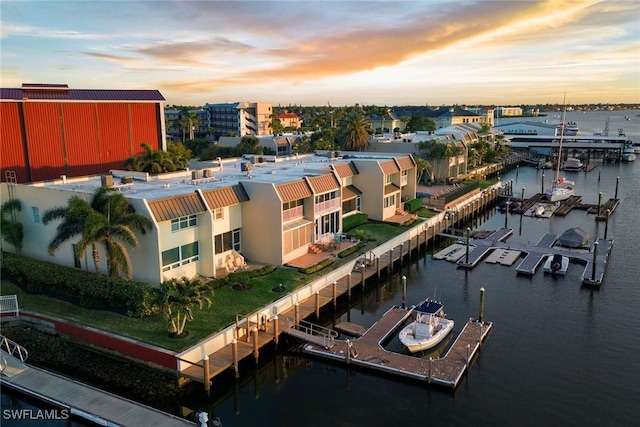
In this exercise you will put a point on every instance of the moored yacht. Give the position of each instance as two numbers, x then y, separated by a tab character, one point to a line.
572	164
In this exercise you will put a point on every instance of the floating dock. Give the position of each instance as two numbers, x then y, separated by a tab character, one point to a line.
81	400
503	257
367	351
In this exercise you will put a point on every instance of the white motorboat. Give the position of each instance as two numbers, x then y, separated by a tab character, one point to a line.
572	164
425	332
556	264
628	153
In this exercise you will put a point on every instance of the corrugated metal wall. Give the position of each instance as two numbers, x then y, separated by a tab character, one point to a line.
12	153
44	140
81	139
115	144
144	126
94	136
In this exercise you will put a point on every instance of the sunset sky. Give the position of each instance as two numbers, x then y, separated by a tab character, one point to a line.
339	52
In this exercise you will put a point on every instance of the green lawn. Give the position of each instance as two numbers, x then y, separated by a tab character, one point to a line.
226	302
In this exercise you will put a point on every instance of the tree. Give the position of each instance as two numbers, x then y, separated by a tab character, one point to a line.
179	155
353	133
189	120
439	154
422	166
384	112
152	161
179	296
108	220
10	229
417	123
275	124
249	144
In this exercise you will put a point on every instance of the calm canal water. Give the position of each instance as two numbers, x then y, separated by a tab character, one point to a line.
559	353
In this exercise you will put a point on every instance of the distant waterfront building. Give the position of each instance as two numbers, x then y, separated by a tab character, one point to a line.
50	130
447	116
239	118
290	120
209	220
508	111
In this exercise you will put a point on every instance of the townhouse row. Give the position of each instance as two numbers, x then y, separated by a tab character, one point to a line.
212	220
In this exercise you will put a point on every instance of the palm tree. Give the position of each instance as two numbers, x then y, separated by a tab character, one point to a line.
178	299
353	133
152	161
10	229
108	220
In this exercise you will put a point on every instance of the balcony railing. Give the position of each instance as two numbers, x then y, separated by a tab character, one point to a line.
327	205
293	213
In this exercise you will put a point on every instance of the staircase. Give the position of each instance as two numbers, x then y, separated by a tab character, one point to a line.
315	249
13	349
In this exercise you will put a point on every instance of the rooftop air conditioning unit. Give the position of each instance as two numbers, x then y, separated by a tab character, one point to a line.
206	173
106	180
196	175
126	180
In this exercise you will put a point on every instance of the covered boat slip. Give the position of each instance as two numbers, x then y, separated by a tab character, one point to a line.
368	352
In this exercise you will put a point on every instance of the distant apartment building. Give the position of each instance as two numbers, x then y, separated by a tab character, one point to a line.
178	129
209	221
239	119
51	130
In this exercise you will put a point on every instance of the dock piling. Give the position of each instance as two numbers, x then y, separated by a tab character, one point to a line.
335	294
349	286
466	259
317	304
207	382
404	291
234	349
256	344
481	316
276	330
296	307
593	264
378	267
617	182
599	202
606	224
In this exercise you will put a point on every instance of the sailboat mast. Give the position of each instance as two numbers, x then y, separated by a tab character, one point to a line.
564	113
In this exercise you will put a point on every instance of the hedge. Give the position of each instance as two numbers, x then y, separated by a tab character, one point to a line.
353	221
86	289
317	267
412	205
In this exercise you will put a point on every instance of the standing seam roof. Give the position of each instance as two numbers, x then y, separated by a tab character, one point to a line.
405	163
389	167
226	196
45	94
293	190
324	183
176	207
345	170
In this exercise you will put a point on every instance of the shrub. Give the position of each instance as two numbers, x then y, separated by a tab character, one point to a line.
353	221
135	299
352	249
413	205
317	267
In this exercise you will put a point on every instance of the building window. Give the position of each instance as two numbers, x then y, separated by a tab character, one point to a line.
387	179
182	255
390	201
218	214
184	222
36	214
228	241
292	204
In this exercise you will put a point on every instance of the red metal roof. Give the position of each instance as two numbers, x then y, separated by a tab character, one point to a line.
45	92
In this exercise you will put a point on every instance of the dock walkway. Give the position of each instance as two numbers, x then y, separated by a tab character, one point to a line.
367	351
82	400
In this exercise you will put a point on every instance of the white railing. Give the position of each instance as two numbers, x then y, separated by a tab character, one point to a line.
227	335
327	205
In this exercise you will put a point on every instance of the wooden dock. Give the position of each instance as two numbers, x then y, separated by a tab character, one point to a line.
81	400
367	351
